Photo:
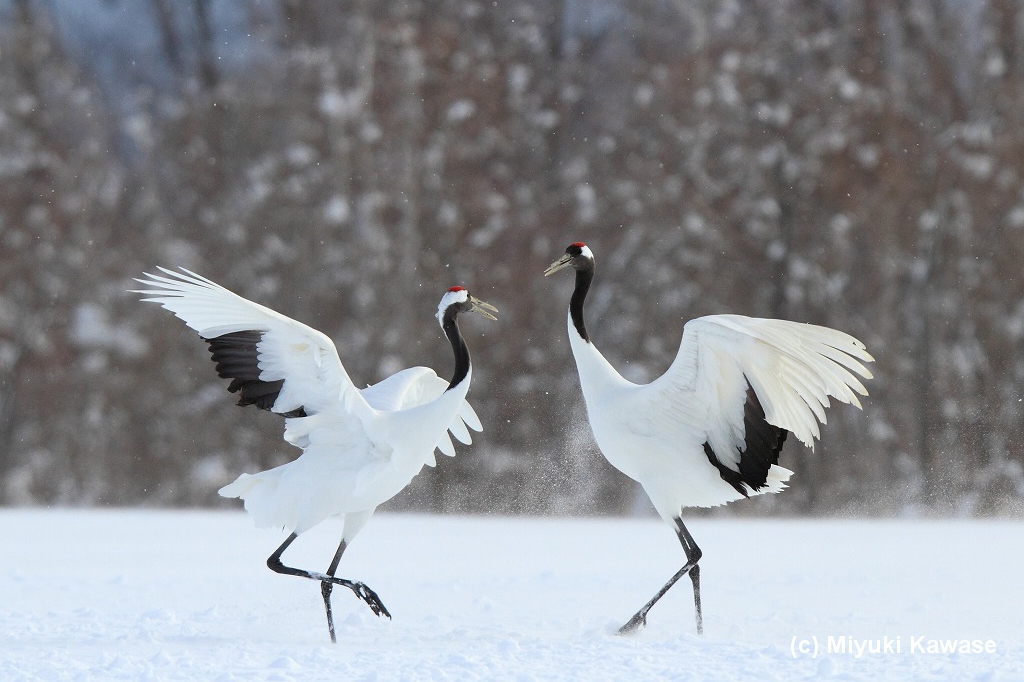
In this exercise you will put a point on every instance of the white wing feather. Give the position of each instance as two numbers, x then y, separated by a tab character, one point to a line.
406	388
416	386
794	368
468	415
303	357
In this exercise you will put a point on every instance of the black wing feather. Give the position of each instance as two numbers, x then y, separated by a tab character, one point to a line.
237	358
762	443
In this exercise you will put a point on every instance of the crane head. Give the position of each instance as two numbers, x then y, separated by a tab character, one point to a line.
464	302
577	255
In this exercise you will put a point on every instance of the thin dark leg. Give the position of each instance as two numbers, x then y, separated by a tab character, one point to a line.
693	555
326	587
361	590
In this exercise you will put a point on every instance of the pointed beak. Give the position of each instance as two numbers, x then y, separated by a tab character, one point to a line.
562	262
482	307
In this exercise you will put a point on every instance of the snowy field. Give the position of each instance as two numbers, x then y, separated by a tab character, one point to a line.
152	595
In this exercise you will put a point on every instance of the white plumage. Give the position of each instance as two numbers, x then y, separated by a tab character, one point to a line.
709	430
655	432
359	447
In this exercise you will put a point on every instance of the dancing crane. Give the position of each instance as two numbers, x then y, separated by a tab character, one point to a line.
359	447
709	430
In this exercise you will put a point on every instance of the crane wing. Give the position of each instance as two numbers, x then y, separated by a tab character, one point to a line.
742	383
417	386
273	361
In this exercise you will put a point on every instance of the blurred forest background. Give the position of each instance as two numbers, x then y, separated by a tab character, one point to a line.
858	164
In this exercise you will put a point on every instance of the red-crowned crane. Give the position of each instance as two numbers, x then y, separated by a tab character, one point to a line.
709	430
359	447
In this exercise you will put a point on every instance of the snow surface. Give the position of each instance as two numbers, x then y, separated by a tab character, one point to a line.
155	595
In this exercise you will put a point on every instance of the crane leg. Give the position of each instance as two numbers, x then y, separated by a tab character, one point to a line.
326	587
328	581
693	555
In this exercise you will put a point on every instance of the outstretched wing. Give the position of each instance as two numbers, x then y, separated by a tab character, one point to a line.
273	361
417	386
742	383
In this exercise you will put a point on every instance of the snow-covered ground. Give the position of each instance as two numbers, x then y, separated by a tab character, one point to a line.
152	595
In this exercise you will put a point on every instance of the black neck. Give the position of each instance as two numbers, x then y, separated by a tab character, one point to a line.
451	330
583	279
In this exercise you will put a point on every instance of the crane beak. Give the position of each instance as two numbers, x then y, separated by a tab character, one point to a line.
482	307
562	262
